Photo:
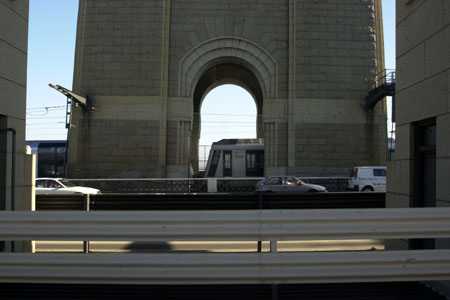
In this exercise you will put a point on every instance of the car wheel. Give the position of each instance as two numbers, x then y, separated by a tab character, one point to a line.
367	189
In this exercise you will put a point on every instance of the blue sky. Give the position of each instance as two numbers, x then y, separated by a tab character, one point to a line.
227	111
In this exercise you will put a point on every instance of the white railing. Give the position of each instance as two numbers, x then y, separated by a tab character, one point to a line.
209	268
255	225
251	268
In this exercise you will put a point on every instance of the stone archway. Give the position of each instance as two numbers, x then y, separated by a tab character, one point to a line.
226	60
227	50
223	73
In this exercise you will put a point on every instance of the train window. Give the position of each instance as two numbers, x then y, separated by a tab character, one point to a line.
251	160
61	150
227	164
51	160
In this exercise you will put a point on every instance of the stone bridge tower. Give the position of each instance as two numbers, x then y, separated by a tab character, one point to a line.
146	66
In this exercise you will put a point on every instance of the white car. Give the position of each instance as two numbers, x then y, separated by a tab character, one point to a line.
368	179
287	184
61	186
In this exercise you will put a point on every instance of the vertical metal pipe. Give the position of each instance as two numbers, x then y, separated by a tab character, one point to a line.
393	111
13	174
273	246
13	166
260	206
86	244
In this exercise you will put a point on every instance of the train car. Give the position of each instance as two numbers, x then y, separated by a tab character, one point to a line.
236	158
51	158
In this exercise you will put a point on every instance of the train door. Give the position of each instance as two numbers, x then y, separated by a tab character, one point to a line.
254	163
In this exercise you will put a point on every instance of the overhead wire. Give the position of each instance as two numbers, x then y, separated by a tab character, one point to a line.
46	107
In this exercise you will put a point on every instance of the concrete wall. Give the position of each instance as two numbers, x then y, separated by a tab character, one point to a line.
118	64
335	60
423	70
13	75
145	61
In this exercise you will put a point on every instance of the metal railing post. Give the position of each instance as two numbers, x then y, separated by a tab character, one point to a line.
87	203
260	206
273	246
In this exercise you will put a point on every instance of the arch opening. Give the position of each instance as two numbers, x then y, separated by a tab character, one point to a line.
235	79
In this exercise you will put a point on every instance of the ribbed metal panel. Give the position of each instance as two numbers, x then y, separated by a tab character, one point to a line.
232	225
229	268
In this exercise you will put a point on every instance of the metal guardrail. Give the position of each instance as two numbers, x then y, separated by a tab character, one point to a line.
213	201
381	87
281	225
385	77
213	268
194	269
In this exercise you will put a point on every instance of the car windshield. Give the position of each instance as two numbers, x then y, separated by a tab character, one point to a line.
67	183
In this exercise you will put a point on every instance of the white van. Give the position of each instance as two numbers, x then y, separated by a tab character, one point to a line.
368	179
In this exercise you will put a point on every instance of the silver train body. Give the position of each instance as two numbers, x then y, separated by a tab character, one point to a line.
236	158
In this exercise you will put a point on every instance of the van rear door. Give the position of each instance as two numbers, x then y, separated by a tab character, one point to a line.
379	175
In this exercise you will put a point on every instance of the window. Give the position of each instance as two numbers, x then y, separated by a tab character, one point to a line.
67	183
40	183
53	184
227	164
251	161
48	184
275	181
379	172
51	159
